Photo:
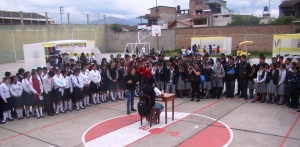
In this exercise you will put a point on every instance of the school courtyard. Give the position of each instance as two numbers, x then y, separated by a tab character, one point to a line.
211	122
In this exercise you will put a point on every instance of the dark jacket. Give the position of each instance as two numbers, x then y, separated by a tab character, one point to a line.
160	75
182	74
273	76
134	79
208	74
168	76
230	77
294	83
243	69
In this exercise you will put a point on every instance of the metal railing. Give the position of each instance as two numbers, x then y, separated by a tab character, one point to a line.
44	18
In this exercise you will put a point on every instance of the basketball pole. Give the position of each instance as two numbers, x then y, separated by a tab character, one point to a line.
157	41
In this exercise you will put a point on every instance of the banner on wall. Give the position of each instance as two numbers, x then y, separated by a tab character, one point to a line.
225	43
286	44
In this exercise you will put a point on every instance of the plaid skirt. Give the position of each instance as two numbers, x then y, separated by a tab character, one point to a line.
272	88
281	89
261	88
207	85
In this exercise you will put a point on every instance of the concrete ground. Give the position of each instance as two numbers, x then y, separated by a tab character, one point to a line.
210	122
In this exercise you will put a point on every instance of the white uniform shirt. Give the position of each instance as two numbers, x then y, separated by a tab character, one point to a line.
68	83
76	58
4	91
27	86
95	76
77	81
93	58
16	89
143	50
85	77
58	81
47	84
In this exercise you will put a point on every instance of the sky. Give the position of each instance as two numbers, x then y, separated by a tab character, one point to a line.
126	9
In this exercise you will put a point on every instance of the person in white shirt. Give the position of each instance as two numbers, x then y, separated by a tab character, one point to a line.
48	101
59	86
93	57
183	51
77	82
75	57
8	101
189	51
214	49
67	91
95	84
86	82
28	92
143	51
16	91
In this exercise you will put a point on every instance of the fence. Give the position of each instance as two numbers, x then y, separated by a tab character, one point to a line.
43	18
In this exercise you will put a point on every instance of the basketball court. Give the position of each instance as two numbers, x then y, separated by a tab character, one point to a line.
210	122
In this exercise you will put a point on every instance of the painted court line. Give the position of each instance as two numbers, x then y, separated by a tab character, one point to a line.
177	121
56	123
289	132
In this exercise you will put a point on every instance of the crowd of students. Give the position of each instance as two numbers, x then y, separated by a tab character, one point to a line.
78	82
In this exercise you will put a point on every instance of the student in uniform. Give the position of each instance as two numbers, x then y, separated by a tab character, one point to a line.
20	74
180	86
208	73
16	91
294	81
130	81
171	79
59	86
103	83
6	100
251	82
78	86
48	97
66	98
28	92
37	97
160	76
187	79
217	81
230	77
86	82
122	73
272	81
113	75
281	84
261	82
95	84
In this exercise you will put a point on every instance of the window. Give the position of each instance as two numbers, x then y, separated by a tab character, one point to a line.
289	13
200	22
198	11
226	16
215	16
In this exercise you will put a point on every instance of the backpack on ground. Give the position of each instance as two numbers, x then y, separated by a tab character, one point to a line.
143	106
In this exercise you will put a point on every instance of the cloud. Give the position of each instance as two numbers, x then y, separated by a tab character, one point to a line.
122	8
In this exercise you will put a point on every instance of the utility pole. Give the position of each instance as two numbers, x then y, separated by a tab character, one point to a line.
156	3
61	12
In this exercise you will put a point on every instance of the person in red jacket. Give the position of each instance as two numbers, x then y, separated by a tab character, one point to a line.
143	73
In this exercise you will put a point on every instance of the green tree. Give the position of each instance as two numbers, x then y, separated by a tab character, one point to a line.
116	27
245	20
284	20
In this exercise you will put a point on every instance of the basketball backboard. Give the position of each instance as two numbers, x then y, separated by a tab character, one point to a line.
156	30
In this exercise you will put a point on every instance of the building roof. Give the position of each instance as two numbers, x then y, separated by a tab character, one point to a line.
17	15
199	16
289	3
162	6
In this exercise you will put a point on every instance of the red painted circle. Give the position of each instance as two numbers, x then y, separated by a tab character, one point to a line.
157	131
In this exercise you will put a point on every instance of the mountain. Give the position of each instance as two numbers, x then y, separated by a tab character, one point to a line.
112	20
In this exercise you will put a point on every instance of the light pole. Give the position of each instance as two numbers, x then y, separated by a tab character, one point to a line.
61	12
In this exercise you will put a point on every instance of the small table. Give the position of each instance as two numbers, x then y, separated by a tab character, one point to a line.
165	98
